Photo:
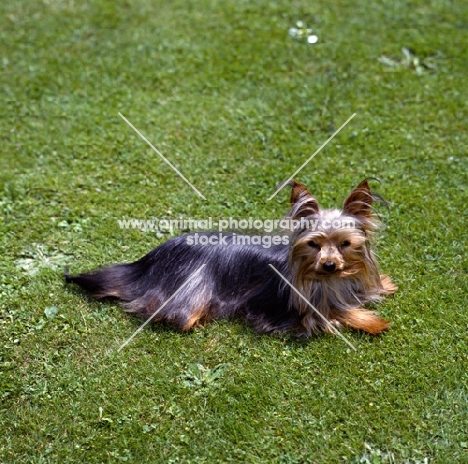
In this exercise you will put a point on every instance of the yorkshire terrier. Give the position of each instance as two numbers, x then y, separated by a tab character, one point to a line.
327	257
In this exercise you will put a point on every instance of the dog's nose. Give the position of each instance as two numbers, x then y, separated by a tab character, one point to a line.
330	266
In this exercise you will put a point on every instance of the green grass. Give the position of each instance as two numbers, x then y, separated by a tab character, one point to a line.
237	105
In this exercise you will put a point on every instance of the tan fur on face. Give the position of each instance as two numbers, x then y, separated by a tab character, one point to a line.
329	248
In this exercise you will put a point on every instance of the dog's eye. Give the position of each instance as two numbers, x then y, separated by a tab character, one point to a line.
314	245
346	243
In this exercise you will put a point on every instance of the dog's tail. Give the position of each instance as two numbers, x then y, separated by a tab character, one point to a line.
117	281
138	286
363	319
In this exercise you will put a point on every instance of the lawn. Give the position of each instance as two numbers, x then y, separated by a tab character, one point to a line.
237	104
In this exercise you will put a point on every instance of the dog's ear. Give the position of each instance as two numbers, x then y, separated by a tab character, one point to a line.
359	201
302	202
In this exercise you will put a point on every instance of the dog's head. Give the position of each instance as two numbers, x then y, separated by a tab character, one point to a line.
331	243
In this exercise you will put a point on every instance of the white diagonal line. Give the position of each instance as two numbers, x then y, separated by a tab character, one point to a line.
285	183
162	156
159	309
314	308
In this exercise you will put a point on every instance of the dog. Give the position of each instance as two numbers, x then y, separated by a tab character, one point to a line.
330	265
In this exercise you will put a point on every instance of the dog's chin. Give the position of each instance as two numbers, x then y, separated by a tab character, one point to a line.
314	274
319	274
329	275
